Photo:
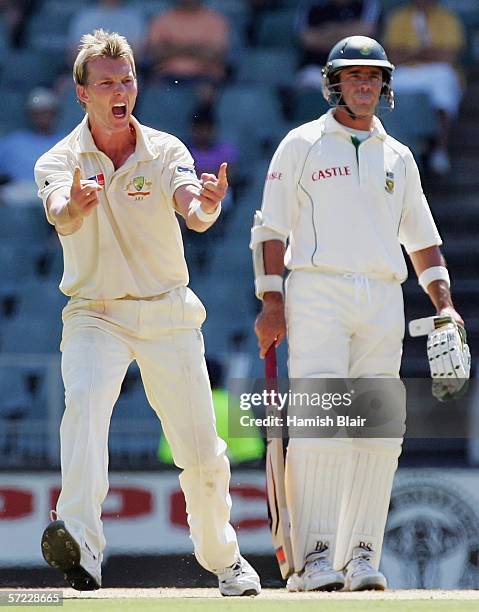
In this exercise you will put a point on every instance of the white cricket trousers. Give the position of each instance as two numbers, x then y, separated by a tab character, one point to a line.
100	339
338	489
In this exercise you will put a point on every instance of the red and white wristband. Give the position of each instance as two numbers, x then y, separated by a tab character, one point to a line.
433	274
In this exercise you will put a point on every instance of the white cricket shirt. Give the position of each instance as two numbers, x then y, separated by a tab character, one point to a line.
130	245
347	209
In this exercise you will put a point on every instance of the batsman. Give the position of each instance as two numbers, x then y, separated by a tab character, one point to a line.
340	198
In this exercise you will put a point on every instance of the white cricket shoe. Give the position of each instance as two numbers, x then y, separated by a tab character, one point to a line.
80	567
318	575
361	575
239	579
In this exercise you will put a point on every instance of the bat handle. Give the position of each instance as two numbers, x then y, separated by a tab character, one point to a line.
270	365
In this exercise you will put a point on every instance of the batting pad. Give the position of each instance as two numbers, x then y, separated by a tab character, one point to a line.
364	504
313	481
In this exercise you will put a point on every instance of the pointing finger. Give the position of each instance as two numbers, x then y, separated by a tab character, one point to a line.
222	178
76	177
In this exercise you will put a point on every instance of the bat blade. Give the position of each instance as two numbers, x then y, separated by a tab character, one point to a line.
275	485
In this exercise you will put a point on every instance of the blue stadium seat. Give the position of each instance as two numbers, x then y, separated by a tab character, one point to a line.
26	224
277	29
13	115
48	27
309	105
150	8
35	335
40	296
270	66
16	391
24	69
71	113
413	133
250	116
13	391
18	264
166	108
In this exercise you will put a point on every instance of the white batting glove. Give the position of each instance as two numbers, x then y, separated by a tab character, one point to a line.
449	360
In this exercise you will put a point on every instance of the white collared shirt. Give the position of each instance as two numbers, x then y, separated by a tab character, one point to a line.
130	245
347	209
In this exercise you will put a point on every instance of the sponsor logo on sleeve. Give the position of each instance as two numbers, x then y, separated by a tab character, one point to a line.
186	170
274	176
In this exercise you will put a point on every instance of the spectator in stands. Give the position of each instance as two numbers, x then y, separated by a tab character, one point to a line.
15	15
189	42
321	23
425	41
20	149
111	15
206	149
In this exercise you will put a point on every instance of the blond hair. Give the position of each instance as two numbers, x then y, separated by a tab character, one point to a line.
100	44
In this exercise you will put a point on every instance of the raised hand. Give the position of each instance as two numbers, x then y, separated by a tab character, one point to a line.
213	188
83	195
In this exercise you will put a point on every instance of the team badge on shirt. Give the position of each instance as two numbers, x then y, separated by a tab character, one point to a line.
99	178
389	187
138	188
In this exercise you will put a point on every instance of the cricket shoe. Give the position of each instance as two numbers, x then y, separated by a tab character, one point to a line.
239	579
81	568
318	575
361	575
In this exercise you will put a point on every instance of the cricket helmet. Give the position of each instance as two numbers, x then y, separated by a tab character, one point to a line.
356	51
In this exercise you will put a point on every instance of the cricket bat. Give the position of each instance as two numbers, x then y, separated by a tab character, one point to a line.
275	486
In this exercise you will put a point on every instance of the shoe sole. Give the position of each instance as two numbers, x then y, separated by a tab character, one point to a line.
332	586
370	587
61	551
247	593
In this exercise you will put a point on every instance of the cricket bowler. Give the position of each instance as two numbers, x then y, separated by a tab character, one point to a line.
112	189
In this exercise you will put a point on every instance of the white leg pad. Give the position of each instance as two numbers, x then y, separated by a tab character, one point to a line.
367	484
313	480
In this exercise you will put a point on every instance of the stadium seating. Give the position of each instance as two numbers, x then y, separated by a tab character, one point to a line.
267	66
24	69
71	113
251	117
36	335
309	105
414	133
277	29
167	108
